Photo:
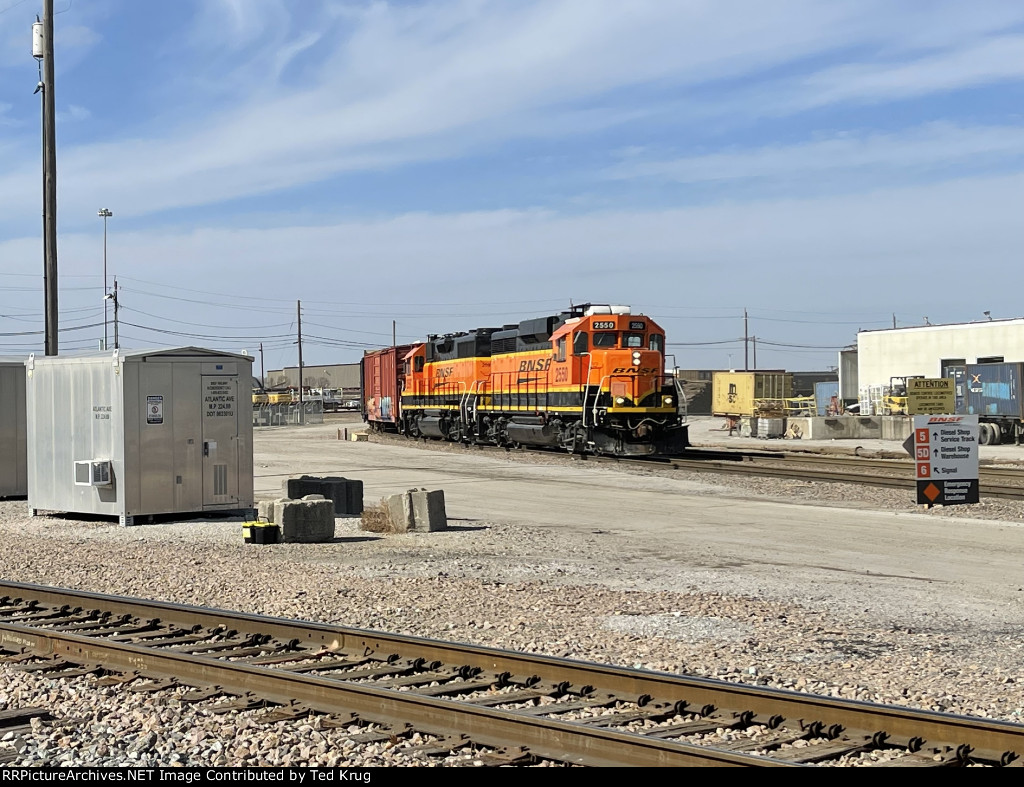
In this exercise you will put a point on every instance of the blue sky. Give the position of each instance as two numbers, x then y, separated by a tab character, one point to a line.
449	165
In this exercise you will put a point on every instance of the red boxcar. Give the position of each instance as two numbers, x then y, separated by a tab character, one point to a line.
383	378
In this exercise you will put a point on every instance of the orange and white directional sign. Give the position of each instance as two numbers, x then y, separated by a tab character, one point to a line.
946	459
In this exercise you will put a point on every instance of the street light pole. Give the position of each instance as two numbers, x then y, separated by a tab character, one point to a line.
104	214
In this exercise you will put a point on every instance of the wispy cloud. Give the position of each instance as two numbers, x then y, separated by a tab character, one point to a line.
933	147
984	62
377	86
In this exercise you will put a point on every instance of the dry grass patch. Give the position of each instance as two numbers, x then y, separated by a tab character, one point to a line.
376	519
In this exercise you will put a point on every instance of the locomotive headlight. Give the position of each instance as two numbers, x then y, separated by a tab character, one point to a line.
619	400
636	356
668	401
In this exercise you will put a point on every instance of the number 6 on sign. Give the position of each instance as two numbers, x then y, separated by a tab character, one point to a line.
924	470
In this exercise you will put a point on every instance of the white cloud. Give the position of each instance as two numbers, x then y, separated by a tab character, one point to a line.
914	250
984	62
73	113
936	146
389	84
901	244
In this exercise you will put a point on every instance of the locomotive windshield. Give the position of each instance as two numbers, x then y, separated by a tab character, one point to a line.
605	339
632	340
657	342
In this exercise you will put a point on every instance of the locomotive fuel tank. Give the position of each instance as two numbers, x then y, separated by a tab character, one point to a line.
533	433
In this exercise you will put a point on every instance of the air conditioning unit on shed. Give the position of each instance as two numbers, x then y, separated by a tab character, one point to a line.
93	472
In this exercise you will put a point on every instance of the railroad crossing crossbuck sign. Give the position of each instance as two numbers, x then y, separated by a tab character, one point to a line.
946	459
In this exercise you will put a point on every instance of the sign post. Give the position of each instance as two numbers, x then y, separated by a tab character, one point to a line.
935	396
946	459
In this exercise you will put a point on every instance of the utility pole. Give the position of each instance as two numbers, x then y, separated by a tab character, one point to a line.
394	324
754	341
298	311
49	183
113	295
104	214
263	371
746	349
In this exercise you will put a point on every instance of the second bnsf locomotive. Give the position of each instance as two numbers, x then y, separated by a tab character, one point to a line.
589	380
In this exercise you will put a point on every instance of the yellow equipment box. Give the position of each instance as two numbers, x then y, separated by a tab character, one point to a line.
737	393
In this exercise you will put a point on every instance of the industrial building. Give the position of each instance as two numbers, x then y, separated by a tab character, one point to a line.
929	350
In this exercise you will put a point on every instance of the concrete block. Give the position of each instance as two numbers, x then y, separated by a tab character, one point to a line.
359	437
897	427
400	512
417	510
308	520
346	493
265	510
428	510
844	427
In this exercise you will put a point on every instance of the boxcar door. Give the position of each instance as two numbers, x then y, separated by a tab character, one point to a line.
220	440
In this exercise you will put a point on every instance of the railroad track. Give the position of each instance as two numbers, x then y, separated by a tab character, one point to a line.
1006	483
889	473
440	697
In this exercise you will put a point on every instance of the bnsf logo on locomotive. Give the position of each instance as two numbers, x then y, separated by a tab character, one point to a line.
444	371
538	365
634	370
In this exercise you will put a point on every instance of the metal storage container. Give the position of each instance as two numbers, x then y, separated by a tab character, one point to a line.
383	373
995	389
734	393
13	429
823	393
138	433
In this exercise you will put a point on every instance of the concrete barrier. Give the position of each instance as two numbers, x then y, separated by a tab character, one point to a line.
897	427
304	521
846	427
265	510
346	493
417	510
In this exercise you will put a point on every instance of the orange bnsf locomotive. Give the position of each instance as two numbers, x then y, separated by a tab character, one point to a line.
589	380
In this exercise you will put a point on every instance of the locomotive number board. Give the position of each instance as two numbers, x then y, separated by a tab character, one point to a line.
637	325
604	325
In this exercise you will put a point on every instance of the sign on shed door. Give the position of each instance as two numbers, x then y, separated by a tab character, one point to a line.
220	440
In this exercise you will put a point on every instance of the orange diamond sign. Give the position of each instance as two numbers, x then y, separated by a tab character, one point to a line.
931	492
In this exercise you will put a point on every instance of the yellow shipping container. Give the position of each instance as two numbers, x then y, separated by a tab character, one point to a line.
735	393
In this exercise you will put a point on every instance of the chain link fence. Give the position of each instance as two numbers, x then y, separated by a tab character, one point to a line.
290	414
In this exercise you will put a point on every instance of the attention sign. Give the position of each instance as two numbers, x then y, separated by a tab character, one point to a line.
946	459
931	396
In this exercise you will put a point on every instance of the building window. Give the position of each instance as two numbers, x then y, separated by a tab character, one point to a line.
991	359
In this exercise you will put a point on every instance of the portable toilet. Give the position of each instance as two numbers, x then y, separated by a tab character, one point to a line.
140	433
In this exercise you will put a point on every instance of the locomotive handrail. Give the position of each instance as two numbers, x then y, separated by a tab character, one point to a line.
586	390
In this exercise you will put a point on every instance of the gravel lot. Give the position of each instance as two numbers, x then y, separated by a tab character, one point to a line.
491	583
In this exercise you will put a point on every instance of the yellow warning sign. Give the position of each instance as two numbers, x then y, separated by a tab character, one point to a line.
934	396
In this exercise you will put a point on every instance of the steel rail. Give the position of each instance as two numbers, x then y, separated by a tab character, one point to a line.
819	472
547	738
991	740
774	465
